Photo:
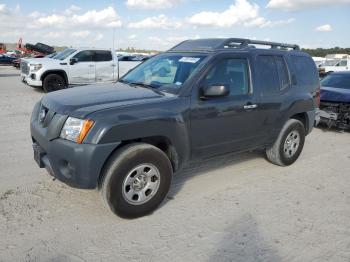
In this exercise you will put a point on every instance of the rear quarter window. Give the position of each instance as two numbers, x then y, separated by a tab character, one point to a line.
305	71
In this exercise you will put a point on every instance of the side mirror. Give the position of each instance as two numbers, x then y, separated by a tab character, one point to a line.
73	61
213	91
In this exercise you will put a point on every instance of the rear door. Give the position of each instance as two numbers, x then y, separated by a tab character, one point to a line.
83	71
273	83
105	66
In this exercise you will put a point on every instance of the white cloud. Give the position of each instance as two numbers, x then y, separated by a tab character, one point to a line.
132	37
160	21
151	4
242	12
324	28
2	8
292	5
107	17
72	9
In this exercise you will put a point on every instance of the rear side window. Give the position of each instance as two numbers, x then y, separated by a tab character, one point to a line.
231	72
267	75
282	72
305	71
103	56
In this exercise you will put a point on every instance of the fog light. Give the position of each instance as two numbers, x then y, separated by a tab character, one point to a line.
33	76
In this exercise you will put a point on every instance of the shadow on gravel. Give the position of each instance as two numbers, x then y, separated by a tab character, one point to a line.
243	242
208	165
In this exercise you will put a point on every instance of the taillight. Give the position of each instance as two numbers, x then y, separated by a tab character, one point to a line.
318	96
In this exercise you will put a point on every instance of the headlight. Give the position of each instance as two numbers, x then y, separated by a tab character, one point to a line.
35	67
75	129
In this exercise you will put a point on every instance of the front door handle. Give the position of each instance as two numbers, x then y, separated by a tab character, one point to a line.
91	65
250	106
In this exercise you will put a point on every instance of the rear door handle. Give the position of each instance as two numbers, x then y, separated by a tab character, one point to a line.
250	106
91	65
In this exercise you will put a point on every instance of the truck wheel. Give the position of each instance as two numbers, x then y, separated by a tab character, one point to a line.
53	82
289	144
136	180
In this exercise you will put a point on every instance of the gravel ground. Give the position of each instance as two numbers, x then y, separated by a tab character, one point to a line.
233	208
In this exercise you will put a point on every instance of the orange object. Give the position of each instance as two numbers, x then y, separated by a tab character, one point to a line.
86	127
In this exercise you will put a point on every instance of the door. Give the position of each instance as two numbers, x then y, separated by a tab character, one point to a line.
82	70
230	123
105	66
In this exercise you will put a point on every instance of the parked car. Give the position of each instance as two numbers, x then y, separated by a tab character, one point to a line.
200	99
6	60
335	100
73	66
17	63
40	47
335	63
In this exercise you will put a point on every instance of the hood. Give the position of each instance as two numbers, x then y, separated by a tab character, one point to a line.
40	60
333	94
84	100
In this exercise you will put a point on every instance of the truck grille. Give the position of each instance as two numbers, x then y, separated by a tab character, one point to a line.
24	68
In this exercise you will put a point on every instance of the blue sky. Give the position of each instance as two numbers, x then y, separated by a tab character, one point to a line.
159	24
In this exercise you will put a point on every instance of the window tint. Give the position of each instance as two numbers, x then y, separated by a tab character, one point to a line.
230	72
101	56
84	56
282	72
305	71
267	75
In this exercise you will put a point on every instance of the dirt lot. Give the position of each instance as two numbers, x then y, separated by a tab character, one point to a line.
236	208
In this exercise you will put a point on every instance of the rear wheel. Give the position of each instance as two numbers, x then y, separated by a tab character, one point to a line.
136	180
53	82
289	144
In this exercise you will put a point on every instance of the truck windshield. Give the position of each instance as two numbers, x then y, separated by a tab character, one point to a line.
330	62
166	72
337	81
64	54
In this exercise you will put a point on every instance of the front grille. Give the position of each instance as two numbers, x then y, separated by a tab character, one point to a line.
24	68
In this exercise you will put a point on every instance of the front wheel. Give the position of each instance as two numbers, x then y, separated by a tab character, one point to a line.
136	180
289	144
53	82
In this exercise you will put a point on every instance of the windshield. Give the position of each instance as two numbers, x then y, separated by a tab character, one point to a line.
165	72
331	62
64	54
337	81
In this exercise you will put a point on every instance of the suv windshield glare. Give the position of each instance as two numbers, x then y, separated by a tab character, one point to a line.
64	54
166	72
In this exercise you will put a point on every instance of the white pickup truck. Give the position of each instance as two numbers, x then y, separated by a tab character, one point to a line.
73	66
335	63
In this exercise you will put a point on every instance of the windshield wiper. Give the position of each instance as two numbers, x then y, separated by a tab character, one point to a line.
141	84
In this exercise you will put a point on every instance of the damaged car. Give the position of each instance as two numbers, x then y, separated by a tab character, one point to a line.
335	100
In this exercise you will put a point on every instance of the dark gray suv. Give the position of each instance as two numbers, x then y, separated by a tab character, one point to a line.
201	98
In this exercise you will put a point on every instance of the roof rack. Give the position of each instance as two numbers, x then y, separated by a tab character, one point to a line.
213	44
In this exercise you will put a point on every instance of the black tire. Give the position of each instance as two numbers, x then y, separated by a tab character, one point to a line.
113	186
278	154
53	82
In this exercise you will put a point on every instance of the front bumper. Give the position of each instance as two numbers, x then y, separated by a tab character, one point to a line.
28	79
77	165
